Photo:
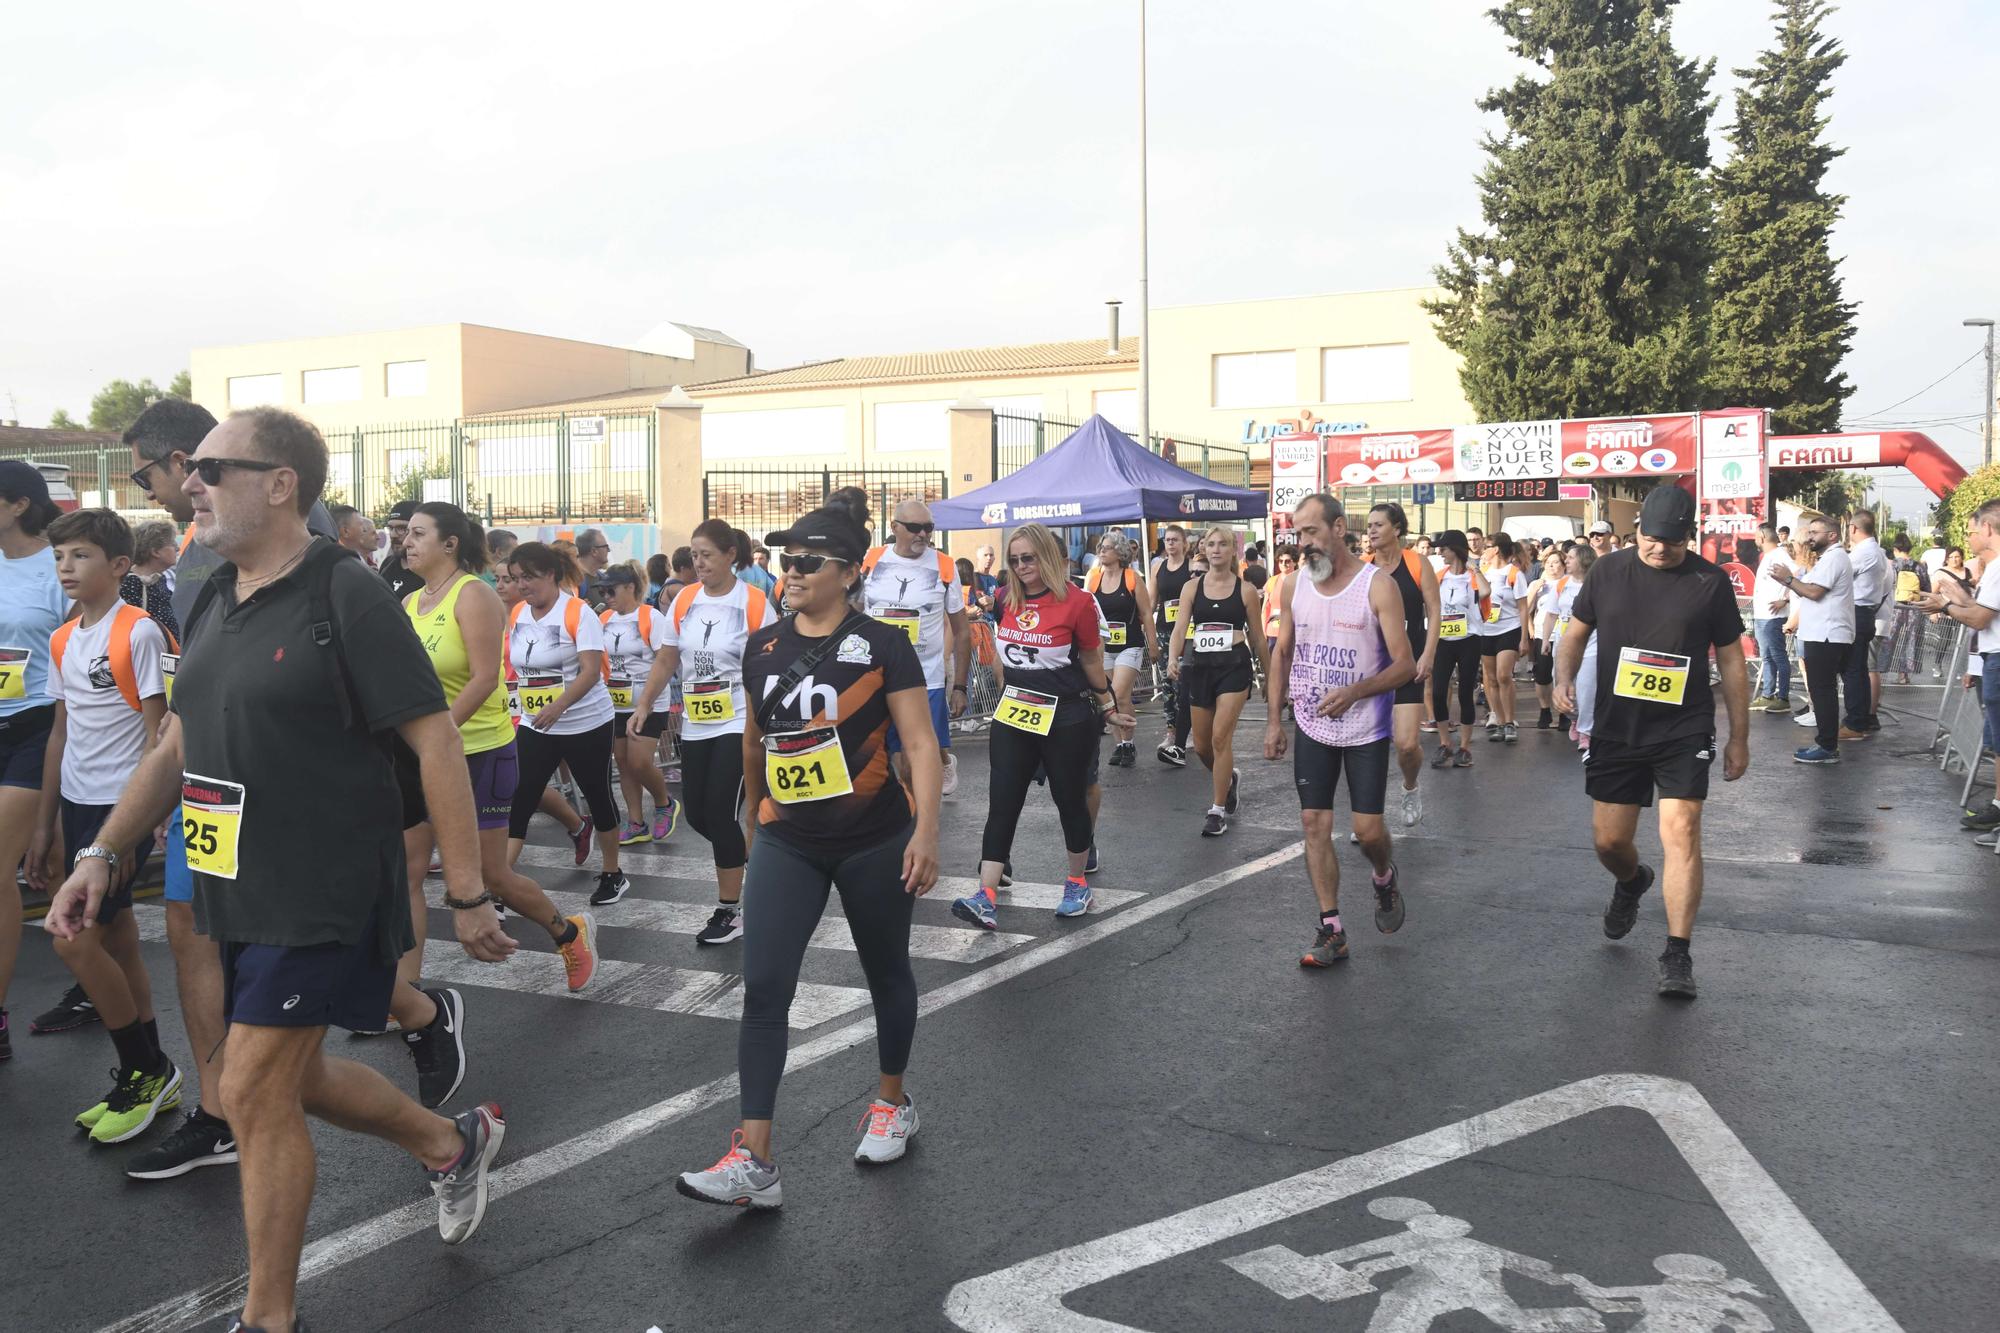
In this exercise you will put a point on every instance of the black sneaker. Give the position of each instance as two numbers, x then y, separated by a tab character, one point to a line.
439	1050
1169	753
611	886
725	923
1006	874
1215	824
73	1010
1984	821
1624	909
1546	720
1090	865
1328	948
1677	974
1388	903
202	1140
1229	801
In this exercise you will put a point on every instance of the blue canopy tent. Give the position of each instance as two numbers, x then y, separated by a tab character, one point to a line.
1098	475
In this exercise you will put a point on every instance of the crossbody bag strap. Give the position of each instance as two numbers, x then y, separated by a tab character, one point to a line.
799	670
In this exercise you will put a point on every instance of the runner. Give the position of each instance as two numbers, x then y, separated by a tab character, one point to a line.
1576	568
915	588
633	634
1501	638
1343	651
1538	621
32	605
1657	611
702	644
1170	571
1126	610
556	646
1212	635
290	812
830	814
1054	703
1462	589
1417	583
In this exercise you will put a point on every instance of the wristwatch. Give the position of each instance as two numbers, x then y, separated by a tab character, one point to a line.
959	688
95	853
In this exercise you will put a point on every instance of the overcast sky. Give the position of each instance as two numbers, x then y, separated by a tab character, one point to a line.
875	176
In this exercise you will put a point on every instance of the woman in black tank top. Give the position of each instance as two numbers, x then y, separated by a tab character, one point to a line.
1171	572
1417	581
1210	658
1128	618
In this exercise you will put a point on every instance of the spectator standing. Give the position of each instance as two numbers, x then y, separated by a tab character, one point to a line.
1827	626
1956	603
356	532
1901	650
593	554
1768	607
1871	592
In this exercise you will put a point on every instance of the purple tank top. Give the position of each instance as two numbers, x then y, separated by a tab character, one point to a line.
1337	641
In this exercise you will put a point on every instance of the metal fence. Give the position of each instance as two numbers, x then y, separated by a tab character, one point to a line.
1019	441
760	500
98	475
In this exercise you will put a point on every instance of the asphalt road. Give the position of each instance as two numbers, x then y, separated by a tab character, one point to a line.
1155	1120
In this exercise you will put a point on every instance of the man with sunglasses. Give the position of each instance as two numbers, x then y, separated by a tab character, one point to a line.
593	553
915	588
397	575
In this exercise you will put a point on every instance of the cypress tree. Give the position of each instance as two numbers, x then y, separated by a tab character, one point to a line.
1586	294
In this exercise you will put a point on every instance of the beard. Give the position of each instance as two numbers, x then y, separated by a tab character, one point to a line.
1318	566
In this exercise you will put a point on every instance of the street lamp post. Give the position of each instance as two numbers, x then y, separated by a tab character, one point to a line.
1986	388
1145	307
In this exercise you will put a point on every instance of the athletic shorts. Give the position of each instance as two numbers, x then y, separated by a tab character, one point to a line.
495	774
654	727
1316	769
80	824
320	985
1545	665
1205	684
1619	774
24	736
1492	645
1134	658
174	863
1412	691
940	723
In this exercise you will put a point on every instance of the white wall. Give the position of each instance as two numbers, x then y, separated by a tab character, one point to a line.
773	432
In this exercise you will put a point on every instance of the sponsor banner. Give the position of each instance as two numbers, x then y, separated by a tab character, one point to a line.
1389	458
1731	478
1579	492
1734	497
1826	451
1294	471
1628	446
1505	450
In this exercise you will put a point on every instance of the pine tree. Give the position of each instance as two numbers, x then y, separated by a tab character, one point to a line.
1587	292
1781	328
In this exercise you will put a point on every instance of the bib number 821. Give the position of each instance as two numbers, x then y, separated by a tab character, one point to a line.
799	777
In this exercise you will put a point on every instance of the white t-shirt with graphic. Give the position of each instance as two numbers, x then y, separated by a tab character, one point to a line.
710	640
917	585
541	645
630	654
106	736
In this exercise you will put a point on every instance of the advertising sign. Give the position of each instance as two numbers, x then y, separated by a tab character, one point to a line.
1841	451
1294	475
1628	446
1505	450
1733	493
1389	458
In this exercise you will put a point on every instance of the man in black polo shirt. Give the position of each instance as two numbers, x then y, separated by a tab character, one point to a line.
289	678
394	572
1657	609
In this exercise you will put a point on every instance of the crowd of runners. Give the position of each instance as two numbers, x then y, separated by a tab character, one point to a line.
310	730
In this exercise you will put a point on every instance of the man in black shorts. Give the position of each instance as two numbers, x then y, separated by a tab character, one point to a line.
1658	608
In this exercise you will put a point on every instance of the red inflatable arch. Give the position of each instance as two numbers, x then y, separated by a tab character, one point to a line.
1912	449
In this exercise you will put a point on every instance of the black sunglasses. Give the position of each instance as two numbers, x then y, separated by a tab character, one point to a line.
807	564
210	470
139	478
915	527
1018	560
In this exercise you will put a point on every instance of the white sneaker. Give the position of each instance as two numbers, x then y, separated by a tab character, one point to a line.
1806	719
1413	807
950	772
888	1130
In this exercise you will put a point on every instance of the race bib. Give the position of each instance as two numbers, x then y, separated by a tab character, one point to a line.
514	702
1562	626
621	693
904	619
801	766
1114	637
538	692
1213	638
1173	612
13	673
1492	614
1451	627
1024	710
710	701
1659	678
211	820
169	664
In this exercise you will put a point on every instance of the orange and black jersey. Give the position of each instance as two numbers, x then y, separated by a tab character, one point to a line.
849	690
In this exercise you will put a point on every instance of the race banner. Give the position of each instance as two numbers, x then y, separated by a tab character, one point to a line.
1295	461
1628	446
1507	450
1733	486
1389	457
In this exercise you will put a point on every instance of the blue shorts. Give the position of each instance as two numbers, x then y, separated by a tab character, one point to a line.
80	824
940	722
318	985
179	879
24	737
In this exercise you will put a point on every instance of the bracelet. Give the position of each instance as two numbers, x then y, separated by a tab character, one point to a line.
959	688
457	905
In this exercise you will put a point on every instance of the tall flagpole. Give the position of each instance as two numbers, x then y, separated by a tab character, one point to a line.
1145	309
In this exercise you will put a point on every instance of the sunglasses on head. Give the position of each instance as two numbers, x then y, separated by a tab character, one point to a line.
210	470
918	528
807	564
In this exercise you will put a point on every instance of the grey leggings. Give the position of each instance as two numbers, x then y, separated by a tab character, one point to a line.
784	896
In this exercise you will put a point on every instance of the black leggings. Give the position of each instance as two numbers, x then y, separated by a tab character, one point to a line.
1065	753
712	791
1463	656
588	754
784	896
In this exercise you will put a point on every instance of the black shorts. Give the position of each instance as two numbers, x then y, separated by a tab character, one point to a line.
24	738
1205	683
80	824
654	727
1411	691
1545	665
1492	645
1316	769
1619	774
320	985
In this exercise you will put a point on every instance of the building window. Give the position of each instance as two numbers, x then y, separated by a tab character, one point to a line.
341	384
406	379
1256	379
255	391
913	428
1377	374
774	433
1120	407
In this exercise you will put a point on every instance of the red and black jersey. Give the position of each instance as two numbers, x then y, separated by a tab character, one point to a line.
1038	644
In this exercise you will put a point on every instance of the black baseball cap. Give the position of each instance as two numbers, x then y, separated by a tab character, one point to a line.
1668	515
823	532
23	481
402	512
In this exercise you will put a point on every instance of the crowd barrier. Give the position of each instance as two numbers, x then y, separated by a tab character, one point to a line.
1960	739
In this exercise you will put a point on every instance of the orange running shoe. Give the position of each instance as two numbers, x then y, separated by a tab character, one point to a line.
580	954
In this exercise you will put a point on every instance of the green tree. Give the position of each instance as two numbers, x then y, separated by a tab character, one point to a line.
119	403
1586	293
1955	511
60	419
182	386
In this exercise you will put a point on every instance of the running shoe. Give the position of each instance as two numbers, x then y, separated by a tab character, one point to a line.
1990	839
1677	974
1464	759
580	954
86	1119
1428	726
1546	720
1848	733
133	1104
1214	824
1090	863
1169	753
1388	903
1492	734
976	908
634	830
581	841
1007	874
1328	948
389	1025
950	773
1443	759
1076	897
739	1180
202	1140
1624	908
73	1010
1510	733
1805	719
1413	806
666	819
886	1131
1981	821
1814	754
611	886
672	774
439	1049
725	923
1229	801
461	1187
237	1325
